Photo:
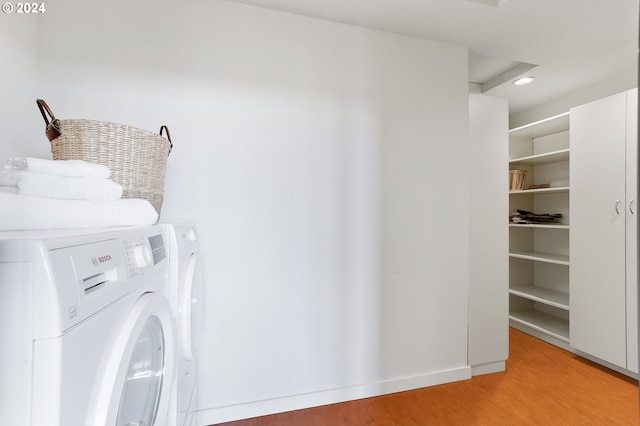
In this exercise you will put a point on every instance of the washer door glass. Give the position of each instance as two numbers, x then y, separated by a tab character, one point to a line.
143	383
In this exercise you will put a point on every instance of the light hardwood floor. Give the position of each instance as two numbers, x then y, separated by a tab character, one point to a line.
543	385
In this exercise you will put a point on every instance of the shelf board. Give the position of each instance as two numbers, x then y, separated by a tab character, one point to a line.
546	158
539	225
542	295
541	257
542	336
543	322
558	189
548	126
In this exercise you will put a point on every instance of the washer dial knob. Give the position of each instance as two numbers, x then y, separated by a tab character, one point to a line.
142	256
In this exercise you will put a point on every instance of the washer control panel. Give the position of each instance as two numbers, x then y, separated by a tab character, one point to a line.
98	270
144	252
96	265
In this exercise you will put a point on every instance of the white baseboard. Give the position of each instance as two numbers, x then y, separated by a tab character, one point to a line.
490	367
209	416
607	364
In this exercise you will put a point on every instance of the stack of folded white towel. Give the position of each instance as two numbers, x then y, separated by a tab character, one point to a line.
51	194
65	180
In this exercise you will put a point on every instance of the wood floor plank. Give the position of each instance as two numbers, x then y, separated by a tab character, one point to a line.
543	385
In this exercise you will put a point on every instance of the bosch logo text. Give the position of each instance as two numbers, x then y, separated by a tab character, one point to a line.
104	258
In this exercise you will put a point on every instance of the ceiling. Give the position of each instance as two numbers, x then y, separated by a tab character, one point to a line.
572	43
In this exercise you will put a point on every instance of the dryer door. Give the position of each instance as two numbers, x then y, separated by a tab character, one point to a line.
190	314
137	378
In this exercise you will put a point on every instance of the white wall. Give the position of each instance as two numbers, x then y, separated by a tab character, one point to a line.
325	166
22	127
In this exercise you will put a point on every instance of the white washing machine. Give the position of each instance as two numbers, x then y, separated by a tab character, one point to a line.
185	290
86	330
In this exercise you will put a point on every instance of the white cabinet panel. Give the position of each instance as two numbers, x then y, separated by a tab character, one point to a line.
632	230
488	282
599	235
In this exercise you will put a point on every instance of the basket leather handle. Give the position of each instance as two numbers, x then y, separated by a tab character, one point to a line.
166	129
52	129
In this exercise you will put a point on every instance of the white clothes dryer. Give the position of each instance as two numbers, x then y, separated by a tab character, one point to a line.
86	328
185	290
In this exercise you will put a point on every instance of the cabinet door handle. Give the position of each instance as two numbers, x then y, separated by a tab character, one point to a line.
617	204
631	201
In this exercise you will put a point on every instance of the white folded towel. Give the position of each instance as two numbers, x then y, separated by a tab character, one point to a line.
21	212
73	168
65	188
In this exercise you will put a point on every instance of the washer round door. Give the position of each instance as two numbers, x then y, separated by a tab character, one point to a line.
137	378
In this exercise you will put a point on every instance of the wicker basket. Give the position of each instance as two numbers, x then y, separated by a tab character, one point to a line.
137	158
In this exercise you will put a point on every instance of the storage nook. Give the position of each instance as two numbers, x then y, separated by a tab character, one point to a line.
539	230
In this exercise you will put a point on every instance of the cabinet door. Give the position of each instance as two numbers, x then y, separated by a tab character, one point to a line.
597	237
632	230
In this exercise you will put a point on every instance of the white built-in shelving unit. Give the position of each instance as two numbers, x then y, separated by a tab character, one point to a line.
539	253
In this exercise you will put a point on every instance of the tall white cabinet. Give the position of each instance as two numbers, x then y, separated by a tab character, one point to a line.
603	240
488	327
539	252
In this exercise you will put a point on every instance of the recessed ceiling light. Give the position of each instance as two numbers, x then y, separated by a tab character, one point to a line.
523	80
